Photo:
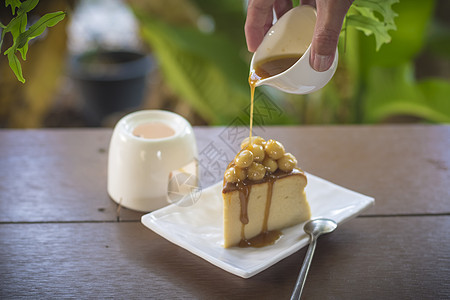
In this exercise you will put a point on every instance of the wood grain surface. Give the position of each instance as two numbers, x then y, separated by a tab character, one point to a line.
62	237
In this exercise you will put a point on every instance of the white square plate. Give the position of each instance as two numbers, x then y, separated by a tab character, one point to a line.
198	228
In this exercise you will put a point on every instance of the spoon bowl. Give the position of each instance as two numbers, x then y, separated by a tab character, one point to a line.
318	227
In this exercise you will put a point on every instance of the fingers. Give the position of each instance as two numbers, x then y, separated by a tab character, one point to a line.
330	16
281	7
259	19
309	2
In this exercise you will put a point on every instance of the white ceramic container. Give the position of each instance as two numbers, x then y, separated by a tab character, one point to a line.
139	168
292	34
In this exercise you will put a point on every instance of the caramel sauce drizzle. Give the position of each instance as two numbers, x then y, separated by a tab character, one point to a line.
229	187
268	203
266	237
244	191
262	70
261	240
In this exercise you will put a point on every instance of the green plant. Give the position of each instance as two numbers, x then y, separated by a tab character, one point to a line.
21	35
374	81
373	17
385	84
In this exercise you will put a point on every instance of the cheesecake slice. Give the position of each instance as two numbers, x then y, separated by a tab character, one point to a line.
263	192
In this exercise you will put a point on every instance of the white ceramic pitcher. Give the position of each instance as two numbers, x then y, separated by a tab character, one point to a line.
292	35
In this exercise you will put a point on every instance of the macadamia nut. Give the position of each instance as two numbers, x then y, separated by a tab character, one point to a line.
259	158
274	149
258	152
287	163
270	164
256	140
230	175
256	171
244	159
241	173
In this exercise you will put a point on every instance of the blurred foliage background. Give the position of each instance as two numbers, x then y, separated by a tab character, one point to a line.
203	65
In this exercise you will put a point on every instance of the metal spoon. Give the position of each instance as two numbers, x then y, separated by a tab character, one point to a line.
314	228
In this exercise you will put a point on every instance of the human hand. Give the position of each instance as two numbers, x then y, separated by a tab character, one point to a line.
330	16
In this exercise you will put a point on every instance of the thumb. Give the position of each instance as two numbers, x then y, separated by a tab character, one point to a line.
330	16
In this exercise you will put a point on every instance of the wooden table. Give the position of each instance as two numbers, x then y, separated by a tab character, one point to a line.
62	237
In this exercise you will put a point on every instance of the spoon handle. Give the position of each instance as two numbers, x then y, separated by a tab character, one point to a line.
304	270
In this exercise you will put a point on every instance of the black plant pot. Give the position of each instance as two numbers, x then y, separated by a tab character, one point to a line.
110	82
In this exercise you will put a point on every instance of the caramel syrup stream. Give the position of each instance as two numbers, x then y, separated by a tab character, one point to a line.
264	69
252	80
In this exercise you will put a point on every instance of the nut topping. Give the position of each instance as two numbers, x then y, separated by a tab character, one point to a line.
259	159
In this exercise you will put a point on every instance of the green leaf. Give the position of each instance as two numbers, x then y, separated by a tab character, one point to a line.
23	51
14	64
21	35
23	28
370	26
16	26
407	41
364	14
14	4
1	38
48	20
27	6
383	7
